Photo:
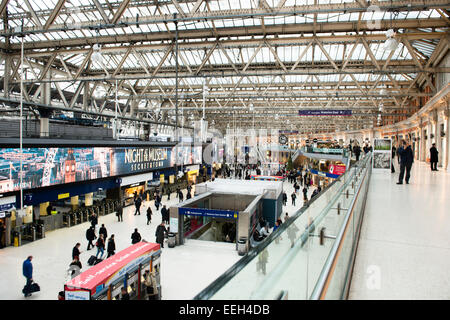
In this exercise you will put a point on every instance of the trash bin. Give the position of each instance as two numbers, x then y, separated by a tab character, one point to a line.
242	246
171	242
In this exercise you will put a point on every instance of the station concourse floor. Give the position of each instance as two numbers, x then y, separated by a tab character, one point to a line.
185	270
404	246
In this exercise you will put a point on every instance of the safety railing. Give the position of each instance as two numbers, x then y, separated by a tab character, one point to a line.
310	256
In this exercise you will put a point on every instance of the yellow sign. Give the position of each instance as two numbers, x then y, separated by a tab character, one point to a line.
161	178
171	179
63	195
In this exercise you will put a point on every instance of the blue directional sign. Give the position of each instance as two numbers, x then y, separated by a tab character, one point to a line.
324	174
209	213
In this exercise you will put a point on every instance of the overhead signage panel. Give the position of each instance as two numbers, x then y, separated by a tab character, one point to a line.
209	213
319	112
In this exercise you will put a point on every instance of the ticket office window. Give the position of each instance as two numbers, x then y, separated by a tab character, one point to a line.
116	290
102	296
133	282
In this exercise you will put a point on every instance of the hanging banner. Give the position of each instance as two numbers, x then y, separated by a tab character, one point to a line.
325	112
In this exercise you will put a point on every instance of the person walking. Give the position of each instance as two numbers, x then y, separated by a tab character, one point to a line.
137	204
94	220
180	196
168	193
434	157
27	270
356	151
103	232
76	251
305	193
90	236
75	266
149	215
406	161
165	214
119	212
293	196
100	246
161	231
284	198
157	203
111	249
135	237
295	186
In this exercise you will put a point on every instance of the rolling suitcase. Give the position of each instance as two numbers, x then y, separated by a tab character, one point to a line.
97	261
92	260
34	287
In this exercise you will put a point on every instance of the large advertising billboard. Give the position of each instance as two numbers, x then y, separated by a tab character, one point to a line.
43	167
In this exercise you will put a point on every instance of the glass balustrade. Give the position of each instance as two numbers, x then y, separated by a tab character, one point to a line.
309	256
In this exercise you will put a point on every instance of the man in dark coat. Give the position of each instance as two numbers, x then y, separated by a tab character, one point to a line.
180	196
27	270
138	203
94	220
434	157
284	198
111	247
305	193
357	152
119	212
135	237
76	251
90	236
149	215
293	196
168	193
103	231
160	232
165	214
406	160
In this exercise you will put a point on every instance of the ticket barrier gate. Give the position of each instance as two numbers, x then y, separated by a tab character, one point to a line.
109	207
67	220
40	229
74	217
28	232
84	213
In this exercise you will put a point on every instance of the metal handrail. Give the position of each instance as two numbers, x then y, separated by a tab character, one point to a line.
328	269
209	291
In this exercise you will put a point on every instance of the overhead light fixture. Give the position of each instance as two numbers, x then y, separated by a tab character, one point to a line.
97	55
391	43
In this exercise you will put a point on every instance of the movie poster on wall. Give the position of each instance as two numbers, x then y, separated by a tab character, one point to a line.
382	156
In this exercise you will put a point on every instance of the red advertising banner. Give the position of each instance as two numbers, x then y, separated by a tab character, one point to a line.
337	169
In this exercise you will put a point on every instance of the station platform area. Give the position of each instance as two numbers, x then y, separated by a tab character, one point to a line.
185	269
404	246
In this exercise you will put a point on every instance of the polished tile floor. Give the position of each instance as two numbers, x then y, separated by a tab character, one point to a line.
404	247
185	270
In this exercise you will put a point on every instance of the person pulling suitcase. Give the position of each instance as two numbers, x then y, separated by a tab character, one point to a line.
27	270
